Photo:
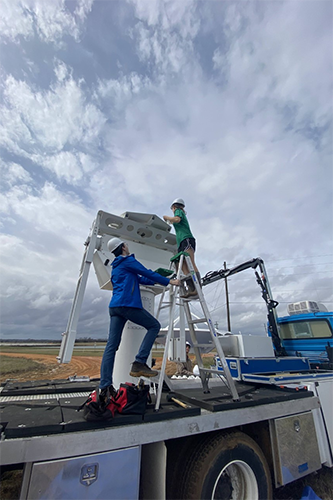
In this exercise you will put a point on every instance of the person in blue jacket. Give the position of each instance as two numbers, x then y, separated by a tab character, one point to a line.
126	277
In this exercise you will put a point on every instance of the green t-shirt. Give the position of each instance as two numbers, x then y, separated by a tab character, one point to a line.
182	229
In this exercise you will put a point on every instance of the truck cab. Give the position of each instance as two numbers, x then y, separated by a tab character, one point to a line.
308	334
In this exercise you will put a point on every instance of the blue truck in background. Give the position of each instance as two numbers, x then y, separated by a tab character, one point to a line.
308	330
308	334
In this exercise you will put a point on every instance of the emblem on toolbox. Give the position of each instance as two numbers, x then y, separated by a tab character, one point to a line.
89	474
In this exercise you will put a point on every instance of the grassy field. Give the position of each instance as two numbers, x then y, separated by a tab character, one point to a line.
54	350
208	360
12	366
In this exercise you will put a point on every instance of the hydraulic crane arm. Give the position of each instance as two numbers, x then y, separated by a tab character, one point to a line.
266	293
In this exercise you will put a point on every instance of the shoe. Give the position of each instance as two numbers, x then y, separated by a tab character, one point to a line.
191	291
186	277
193	294
142	370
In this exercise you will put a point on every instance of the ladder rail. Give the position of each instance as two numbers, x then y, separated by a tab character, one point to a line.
195	346
160	304
173	293
165	354
227	374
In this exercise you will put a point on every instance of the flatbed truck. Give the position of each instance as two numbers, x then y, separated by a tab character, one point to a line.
209	446
212	448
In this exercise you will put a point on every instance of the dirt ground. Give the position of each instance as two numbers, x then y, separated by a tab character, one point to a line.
88	366
51	369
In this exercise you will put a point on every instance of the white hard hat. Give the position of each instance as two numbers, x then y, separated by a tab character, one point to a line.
179	201
187	343
114	243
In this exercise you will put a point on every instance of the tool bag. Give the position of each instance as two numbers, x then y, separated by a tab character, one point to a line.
131	399
94	410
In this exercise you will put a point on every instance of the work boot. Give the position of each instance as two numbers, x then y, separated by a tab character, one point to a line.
142	370
191	290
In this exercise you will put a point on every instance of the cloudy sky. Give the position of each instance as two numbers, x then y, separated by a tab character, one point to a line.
125	105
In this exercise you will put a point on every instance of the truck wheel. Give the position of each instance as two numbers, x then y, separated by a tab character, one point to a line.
227	467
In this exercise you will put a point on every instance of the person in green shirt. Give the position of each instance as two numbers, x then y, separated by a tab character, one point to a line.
185	241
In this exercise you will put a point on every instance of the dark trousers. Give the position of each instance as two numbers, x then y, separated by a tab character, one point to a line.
118	318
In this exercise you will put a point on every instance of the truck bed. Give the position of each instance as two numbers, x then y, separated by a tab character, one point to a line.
40	421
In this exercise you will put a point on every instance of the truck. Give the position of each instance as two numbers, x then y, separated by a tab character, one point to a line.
199	444
308	330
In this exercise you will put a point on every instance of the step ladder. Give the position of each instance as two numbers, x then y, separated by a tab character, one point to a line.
176	299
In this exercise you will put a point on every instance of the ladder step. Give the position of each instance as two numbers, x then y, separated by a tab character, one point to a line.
199	320
155	379
204	345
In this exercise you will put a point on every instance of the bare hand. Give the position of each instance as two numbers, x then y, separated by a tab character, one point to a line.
175	282
166	218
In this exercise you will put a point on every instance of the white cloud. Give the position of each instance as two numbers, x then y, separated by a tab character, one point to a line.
54	118
14	20
117	93
40	124
65	165
83	8
165	33
50	21
277	58
68	166
45	257
53	21
168	15
12	173
50	211
61	70
34	269
168	52
227	105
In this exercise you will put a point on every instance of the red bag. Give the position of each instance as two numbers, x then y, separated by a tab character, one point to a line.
93	410
130	399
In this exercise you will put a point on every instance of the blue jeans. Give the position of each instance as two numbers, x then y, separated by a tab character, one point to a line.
118	318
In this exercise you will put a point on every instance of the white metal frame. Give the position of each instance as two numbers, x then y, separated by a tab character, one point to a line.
144	230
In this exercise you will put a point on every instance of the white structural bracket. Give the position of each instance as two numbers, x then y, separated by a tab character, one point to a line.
149	238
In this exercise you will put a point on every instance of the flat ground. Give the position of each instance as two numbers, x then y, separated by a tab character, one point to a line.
28	366
46	366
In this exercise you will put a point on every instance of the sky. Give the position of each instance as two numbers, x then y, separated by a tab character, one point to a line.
126	105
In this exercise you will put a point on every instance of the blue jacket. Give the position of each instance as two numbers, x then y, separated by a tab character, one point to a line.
127	274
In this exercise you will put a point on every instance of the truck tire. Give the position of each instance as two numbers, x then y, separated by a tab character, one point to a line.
226	467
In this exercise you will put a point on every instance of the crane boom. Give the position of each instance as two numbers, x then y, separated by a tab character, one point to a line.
266	293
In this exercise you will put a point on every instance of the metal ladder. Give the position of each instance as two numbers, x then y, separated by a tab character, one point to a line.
224	374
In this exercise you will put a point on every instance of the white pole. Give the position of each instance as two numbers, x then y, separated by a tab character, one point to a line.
130	342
